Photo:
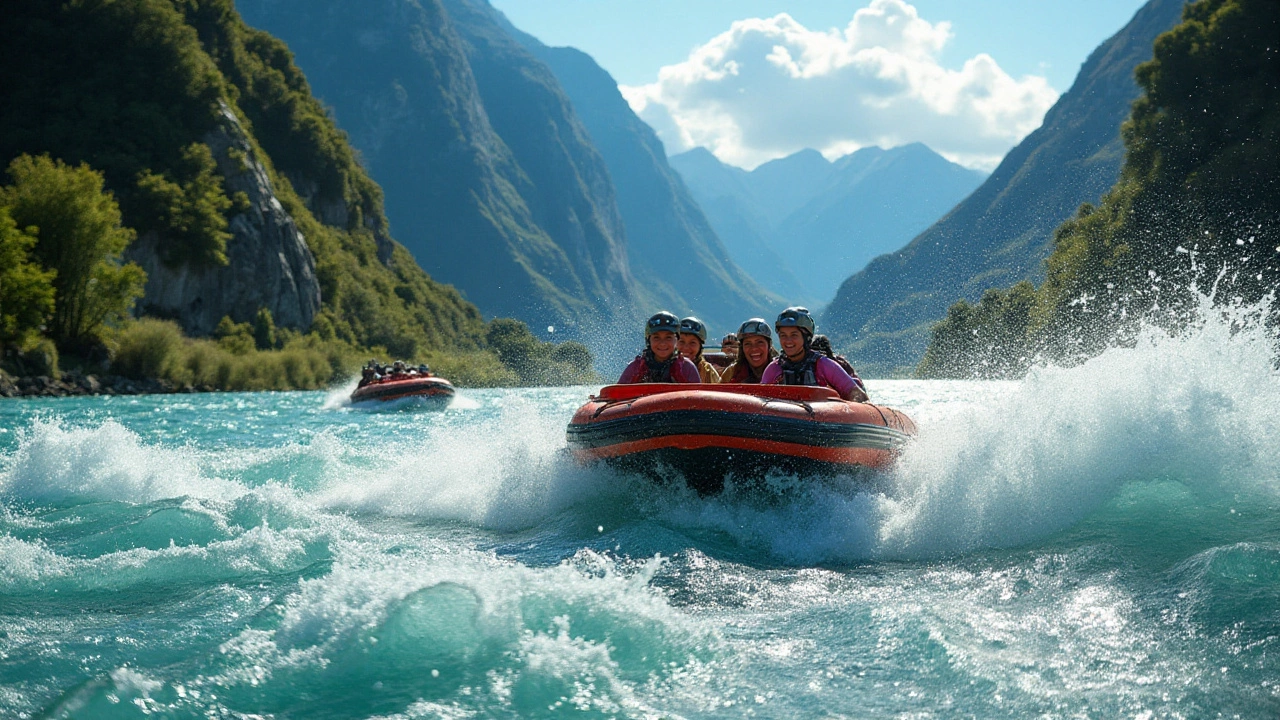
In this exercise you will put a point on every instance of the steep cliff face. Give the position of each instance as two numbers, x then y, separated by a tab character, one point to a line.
130	88
517	213
1002	233
674	252
269	264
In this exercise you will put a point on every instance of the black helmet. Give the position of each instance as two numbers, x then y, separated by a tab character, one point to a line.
796	317
695	326
755	326
660	322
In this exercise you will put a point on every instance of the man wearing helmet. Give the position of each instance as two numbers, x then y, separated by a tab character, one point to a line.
800	365
660	363
755	350
690	339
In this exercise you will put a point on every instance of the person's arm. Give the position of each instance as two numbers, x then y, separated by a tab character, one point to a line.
772	374
829	373
632	373
685	372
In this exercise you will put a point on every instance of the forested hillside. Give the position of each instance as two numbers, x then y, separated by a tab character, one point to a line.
243	194
1003	231
1199	195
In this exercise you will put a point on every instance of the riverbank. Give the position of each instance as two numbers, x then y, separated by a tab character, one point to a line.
75	384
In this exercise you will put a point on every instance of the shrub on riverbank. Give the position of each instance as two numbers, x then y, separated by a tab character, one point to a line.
151	349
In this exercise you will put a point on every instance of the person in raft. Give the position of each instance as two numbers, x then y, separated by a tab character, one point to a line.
660	363
799	364
755	350
729	346
691	338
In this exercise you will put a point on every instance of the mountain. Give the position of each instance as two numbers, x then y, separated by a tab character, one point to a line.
244	193
1199	191
872	202
800	207
519	214
1002	233
663	221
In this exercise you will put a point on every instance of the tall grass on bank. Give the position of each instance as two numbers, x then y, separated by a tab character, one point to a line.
157	349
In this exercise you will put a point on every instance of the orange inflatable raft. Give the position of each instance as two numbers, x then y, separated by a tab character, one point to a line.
706	432
413	390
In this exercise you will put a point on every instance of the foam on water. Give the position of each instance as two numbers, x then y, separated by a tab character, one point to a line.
56	464
1197	408
508	472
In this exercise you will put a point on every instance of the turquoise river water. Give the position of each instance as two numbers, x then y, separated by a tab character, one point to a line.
1098	542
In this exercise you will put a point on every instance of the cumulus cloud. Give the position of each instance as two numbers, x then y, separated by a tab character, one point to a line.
770	86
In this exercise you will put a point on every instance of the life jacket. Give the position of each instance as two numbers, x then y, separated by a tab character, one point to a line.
800	373
655	371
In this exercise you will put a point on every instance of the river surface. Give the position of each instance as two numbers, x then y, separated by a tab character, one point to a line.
1098	542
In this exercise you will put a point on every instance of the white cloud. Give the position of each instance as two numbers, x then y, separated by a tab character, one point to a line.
769	87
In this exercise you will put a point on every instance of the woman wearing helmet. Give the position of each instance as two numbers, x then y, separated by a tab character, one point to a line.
755	350
800	365
660	363
691	338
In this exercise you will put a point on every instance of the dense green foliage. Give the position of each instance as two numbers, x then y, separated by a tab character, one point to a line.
187	207
133	86
1199	195
26	289
135	90
79	237
536	362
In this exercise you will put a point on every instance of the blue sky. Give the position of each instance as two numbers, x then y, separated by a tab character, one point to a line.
968	78
633	38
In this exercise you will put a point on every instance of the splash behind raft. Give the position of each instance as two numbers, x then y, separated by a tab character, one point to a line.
428	392
705	432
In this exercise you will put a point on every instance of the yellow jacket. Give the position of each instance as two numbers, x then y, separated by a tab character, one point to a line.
707	371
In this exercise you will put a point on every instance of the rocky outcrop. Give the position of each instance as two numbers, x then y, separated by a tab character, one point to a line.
269	264
75	384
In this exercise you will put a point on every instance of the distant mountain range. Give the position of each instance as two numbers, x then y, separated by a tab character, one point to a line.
802	224
512	170
1002	232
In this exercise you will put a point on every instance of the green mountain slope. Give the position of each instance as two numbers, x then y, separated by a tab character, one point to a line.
676	255
1196	205
142	90
1003	231
518	214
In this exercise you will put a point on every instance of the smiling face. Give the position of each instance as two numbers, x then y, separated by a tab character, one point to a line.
689	345
792	341
663	344
756	350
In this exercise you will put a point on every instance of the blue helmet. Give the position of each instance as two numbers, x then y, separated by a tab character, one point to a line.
660	322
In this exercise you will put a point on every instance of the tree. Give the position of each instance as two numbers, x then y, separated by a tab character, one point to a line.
264	330
79	236
26	289
187	207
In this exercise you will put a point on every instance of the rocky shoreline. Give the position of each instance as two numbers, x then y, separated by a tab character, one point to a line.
73	384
